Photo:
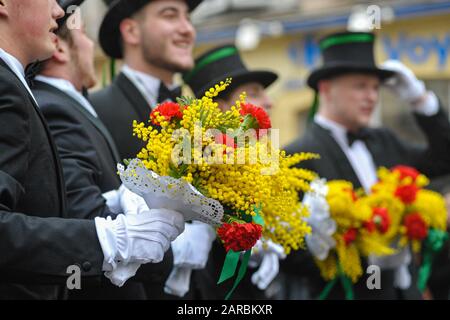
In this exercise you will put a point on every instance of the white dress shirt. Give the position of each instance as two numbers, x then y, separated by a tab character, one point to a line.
68	88
358	155
17	68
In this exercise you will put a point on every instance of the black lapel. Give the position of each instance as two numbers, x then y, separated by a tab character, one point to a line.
95	121
381	153
61	183
335	154
134	96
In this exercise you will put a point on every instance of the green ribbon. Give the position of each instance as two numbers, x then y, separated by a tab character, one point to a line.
314	108
213	57
326	291
232	259
229	266
433	244
346	284
345	39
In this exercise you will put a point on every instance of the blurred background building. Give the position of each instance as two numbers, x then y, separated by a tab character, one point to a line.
282	35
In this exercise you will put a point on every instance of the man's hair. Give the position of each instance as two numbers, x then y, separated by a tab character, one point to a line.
65	34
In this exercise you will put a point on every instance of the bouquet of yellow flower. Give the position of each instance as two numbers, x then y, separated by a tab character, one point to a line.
241	182
353	229
420	214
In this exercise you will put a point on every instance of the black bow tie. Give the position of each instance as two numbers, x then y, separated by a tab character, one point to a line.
361	135
31	71
167	94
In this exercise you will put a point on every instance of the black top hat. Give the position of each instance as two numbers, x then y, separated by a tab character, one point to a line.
347	52
118	10
219	64
65	5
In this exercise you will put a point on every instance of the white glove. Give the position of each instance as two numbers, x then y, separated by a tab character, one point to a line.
191	249
190	252
113	200
398	262
131	203
410	89
142	238
269	254
267	271
178	282
122	273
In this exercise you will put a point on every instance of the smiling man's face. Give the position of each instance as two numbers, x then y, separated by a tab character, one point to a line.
167	35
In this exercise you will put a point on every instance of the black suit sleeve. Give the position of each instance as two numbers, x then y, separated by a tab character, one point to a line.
34	249
434	160
79	160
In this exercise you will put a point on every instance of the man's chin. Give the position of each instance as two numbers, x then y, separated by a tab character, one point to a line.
363	123
46	53
182	66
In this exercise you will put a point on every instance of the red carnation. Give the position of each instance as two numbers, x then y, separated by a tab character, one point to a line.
380	220
350	236
416	227
258	113
239	236
168	110
406	171
407	193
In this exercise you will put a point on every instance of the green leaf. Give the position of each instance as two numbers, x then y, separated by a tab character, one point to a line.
185	101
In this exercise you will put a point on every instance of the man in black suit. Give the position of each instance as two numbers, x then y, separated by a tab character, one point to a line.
155	40
88	153
348	89
38	242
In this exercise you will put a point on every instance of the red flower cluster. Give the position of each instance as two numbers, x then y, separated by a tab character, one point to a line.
350	236
406	171
416	228
168	110
239	236
258	113
380	220
407	193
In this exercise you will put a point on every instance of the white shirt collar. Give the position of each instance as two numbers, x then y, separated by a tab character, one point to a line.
338	131
67	87
147	85
358	155
18	69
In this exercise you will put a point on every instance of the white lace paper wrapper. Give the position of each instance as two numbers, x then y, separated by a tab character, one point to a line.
320	241
170	193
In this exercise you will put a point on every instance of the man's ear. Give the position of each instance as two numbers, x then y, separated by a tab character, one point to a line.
4	8
62	53
130	31
324	88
